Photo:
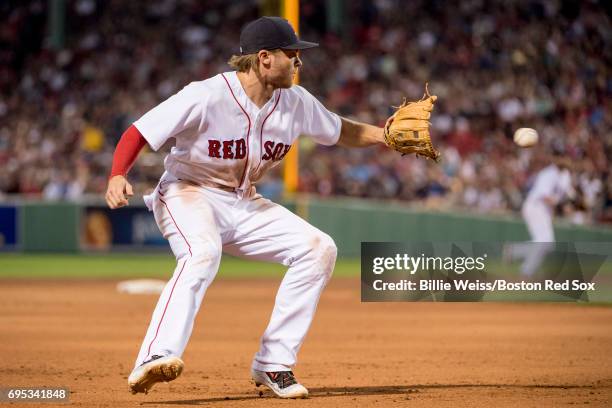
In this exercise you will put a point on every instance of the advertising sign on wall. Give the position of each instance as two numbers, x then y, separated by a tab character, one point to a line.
131	226
8	227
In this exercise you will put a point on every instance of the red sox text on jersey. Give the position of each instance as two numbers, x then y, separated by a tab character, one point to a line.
237	149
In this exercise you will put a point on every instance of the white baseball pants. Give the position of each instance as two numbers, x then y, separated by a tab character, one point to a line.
199	222
538	218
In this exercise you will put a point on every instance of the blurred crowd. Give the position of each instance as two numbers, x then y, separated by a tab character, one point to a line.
495	65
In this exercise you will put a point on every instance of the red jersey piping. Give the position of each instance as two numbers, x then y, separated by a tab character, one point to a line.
262	128
246	164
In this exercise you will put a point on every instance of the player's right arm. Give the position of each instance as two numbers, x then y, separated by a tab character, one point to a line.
181	111
126	152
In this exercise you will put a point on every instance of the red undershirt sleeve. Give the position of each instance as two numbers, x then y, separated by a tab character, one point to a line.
126	152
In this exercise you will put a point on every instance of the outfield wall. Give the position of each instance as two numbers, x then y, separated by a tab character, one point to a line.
351	221
68	227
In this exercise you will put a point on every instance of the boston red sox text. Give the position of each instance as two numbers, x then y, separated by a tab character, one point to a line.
477	285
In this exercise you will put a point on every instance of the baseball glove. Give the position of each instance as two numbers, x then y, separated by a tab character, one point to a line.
407	130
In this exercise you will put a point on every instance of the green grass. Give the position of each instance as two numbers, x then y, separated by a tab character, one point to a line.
156	265
153	265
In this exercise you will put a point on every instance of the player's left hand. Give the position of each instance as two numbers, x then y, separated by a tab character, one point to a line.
118	192
407	130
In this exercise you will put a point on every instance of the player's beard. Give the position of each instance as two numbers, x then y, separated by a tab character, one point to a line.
284	78
286	81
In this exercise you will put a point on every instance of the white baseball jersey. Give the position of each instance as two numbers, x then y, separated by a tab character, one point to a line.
225	142
224	139
550	182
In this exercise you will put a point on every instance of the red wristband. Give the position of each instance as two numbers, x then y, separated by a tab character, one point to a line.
126	152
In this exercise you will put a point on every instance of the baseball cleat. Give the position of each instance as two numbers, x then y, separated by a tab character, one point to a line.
282	383
156	369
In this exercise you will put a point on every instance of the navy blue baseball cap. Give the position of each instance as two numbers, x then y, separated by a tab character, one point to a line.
270	33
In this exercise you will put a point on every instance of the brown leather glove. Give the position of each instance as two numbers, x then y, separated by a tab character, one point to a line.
407	130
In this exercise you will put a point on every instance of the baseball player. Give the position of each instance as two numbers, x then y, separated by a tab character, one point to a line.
229	130
552	184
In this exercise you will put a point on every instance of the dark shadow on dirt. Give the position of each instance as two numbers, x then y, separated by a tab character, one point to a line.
369	390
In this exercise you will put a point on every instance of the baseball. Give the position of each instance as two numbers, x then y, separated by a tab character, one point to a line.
526	137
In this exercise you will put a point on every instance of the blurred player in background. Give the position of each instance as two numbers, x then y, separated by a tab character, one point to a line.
551	186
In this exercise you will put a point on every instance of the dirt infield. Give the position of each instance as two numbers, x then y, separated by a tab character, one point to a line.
84	335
